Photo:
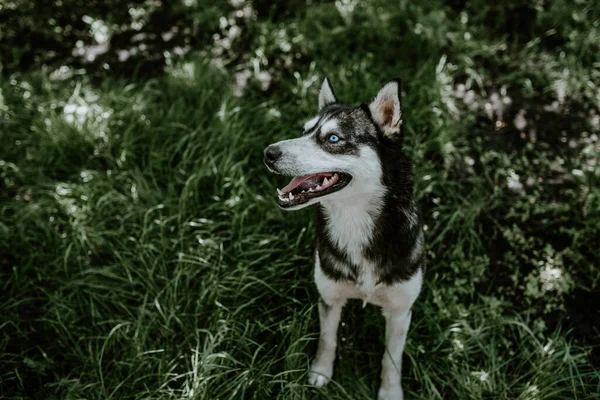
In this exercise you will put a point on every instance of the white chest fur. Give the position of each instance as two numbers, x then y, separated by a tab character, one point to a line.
350	228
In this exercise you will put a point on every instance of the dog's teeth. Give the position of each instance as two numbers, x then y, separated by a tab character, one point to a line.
310	190
279	192
325	182
304	191
291	196
318	188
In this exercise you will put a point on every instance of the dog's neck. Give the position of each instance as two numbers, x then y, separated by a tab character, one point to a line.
350	222
376	234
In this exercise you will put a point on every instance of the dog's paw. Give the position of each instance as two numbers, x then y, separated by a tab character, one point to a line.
394	393
319	376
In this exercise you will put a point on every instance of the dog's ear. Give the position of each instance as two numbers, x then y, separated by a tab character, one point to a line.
326	95
386	109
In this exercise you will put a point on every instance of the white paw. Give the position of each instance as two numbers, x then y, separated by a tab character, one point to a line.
319	376
394	393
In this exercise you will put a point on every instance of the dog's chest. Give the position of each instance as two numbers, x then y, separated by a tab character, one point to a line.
351	229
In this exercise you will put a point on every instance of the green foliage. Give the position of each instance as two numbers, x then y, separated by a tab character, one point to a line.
142	252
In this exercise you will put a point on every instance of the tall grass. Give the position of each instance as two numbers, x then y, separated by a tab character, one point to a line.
143	255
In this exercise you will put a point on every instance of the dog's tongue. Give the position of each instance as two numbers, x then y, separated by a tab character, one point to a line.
299	180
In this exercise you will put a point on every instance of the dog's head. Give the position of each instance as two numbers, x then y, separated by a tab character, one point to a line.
338	157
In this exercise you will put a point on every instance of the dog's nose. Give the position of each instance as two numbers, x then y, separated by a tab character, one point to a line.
272	154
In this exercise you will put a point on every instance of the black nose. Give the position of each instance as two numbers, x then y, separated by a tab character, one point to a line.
272	154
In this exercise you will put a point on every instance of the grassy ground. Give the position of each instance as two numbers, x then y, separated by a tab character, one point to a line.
143	255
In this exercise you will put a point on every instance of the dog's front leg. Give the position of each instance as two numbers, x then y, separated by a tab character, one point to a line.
321	369
396	328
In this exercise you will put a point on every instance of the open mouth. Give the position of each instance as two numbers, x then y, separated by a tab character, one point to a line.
303	188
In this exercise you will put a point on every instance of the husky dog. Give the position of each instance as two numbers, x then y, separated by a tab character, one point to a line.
370	243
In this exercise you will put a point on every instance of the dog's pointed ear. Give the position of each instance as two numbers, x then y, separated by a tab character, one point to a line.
386	109
326	95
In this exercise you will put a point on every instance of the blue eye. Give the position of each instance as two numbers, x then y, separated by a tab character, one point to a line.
334	138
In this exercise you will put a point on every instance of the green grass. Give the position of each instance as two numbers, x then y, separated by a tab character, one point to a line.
143	255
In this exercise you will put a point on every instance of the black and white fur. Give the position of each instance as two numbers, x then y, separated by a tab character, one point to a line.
370	242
